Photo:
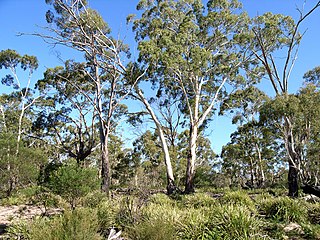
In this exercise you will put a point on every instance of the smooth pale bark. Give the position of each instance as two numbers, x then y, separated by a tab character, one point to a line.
171	187
252	174
196	121
262	177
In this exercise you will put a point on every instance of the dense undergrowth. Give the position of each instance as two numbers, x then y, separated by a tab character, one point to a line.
203	215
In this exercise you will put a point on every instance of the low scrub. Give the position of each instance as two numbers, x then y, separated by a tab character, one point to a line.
240	198
284	209
79	224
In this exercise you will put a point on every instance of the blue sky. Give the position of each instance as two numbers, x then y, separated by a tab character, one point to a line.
24	16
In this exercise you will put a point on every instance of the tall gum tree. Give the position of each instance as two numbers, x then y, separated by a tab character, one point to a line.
21	99
67	119
171	186
163	110
270	34
191	50
73	24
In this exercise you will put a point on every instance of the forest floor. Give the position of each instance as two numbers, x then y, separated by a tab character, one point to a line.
260	214
10	214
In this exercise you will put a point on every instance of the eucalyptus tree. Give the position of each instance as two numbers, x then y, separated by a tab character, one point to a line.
191	50
251	140
303	111
207	158
148	149
161	128
22	95
255	150
15	107
67	119
271	34
162	107
73	24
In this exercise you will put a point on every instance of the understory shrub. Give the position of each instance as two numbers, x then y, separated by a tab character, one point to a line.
72	182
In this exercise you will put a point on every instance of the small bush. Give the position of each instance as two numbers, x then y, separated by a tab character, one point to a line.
128	211
93	199
153	229
18	231
72	182
107	216
284	209
194	224
22	196
47	199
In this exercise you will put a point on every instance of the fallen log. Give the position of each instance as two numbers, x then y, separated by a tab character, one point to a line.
309	189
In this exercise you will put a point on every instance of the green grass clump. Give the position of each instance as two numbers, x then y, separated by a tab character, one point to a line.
284	209
107	214
161	199
197	200
311	231
157	221
235	222
82	223
93	199
240	198
194	223
314	213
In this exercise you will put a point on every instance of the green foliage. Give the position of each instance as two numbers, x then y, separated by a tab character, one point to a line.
18	231
236	222
284	209
154	229
157	222
72	182
311	231
195	222
197	200
93	199
10	59
161	199
20	167
128	211
239	198
314	213
107	214
82	223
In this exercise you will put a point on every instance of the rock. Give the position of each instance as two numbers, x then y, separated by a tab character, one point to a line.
293	227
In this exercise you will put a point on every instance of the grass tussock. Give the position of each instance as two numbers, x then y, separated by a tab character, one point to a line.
233	215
